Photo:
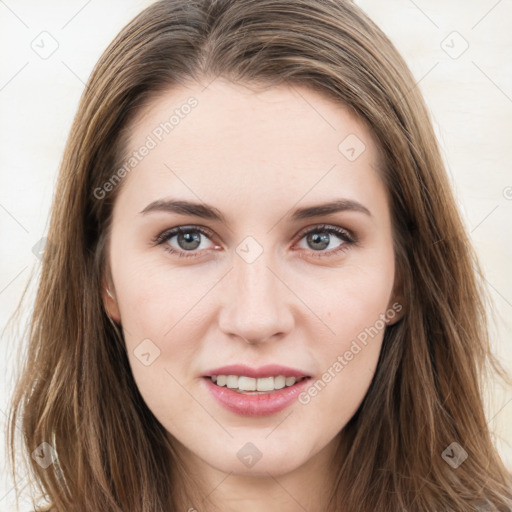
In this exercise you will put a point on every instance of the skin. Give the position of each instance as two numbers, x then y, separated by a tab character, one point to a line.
255	155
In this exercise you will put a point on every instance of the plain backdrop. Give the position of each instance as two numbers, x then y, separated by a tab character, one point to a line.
459	52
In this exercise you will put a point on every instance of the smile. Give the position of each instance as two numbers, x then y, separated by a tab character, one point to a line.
255	403
251	385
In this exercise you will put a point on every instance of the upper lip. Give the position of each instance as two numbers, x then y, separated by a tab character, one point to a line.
269	370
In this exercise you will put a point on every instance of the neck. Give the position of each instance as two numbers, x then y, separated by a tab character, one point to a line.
307	487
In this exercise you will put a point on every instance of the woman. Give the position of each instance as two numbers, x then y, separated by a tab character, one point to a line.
259	293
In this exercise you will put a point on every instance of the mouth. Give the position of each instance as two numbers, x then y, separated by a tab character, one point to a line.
262	399
255	386
263	391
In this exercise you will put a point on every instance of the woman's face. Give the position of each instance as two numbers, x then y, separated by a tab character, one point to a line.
263	278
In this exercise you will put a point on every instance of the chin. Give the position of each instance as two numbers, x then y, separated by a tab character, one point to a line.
275	464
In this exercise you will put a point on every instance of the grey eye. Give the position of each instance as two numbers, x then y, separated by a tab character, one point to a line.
318	241
189	240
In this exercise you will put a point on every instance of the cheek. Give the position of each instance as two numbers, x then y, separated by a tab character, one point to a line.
351	300
153	296
346	366
360	310
355	304
161	313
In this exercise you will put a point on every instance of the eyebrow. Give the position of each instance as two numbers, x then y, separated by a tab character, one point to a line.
205	211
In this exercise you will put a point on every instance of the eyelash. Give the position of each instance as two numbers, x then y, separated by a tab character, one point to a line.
343	234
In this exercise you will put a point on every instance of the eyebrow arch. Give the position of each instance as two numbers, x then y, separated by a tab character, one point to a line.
209	212
184	208
339	205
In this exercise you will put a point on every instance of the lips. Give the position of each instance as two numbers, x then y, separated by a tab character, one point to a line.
233	392
270	370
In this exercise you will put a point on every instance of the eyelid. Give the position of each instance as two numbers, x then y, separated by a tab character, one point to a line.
169	233
328	227
346	235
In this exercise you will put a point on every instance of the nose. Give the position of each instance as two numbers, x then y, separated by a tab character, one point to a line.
256	303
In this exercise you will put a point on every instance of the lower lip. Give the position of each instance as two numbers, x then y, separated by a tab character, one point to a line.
258	404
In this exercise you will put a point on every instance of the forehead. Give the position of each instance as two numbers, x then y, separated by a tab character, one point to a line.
227	141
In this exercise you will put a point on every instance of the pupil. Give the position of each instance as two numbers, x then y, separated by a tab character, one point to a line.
322	239
188	238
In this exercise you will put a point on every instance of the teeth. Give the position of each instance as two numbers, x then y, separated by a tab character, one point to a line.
279	382
243	383
246	383
265	384
232	381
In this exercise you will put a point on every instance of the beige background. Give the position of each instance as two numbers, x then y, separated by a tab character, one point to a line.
459	51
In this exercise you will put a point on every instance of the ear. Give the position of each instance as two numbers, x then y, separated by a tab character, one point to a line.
110	302
396	306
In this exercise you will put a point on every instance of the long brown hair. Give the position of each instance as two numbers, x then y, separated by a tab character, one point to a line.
76	392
